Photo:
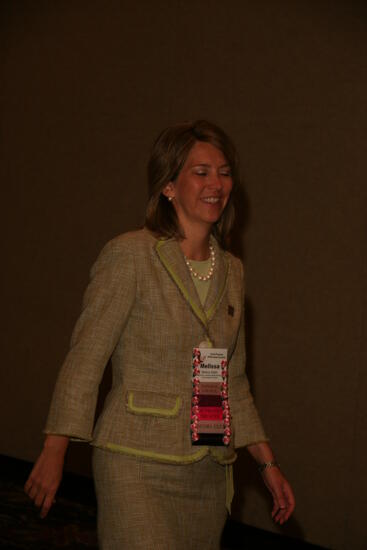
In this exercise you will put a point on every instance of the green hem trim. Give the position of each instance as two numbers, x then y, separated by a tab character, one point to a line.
169	459
219	458
160	457
180	284
165	413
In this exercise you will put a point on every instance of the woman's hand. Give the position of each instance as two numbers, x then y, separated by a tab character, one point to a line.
283	498
45	478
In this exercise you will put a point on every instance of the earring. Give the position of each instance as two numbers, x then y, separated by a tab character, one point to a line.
170	199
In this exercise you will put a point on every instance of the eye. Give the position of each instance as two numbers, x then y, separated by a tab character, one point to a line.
225	173
201	173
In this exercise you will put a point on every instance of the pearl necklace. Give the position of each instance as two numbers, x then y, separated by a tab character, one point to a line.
209	275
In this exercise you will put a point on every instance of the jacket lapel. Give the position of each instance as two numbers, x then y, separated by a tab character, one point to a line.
218	284
172	258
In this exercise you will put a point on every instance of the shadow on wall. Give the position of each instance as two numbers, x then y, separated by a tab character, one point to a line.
242	219
247	480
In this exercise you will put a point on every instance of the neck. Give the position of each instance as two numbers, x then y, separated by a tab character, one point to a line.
195	245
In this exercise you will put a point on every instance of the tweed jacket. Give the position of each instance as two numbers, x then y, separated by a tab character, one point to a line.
141	309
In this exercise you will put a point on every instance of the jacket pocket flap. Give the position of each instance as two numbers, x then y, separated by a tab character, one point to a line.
153	404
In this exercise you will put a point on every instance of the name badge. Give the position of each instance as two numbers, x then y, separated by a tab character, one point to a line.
210	414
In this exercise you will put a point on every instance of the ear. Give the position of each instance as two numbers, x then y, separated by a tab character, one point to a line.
169	190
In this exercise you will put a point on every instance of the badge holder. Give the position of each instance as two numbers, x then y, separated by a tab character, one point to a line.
210	414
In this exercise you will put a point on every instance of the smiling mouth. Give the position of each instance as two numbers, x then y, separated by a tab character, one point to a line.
211	200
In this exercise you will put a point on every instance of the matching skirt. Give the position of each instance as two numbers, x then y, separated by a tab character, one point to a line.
154	506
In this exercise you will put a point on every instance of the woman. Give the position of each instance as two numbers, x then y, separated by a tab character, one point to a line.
166	304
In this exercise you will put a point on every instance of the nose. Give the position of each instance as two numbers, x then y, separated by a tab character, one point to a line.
216	182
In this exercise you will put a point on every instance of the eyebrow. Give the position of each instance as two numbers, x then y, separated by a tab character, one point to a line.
226	165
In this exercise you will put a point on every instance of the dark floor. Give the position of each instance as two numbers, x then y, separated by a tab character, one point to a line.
71	523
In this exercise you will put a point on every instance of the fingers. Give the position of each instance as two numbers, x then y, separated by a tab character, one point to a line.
279	510
45	478
291	502
283	499
48	502
35	492
41	492
28	485
42	498
31	487
284	504
281	514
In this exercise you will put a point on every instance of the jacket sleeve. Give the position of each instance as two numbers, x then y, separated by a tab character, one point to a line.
246	422
106	306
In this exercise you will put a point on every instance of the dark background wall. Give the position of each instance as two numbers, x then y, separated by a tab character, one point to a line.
85	88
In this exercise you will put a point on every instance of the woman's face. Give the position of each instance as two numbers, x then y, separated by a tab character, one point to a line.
202	188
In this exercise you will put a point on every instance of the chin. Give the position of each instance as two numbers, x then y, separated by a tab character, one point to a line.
215	220
214	217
